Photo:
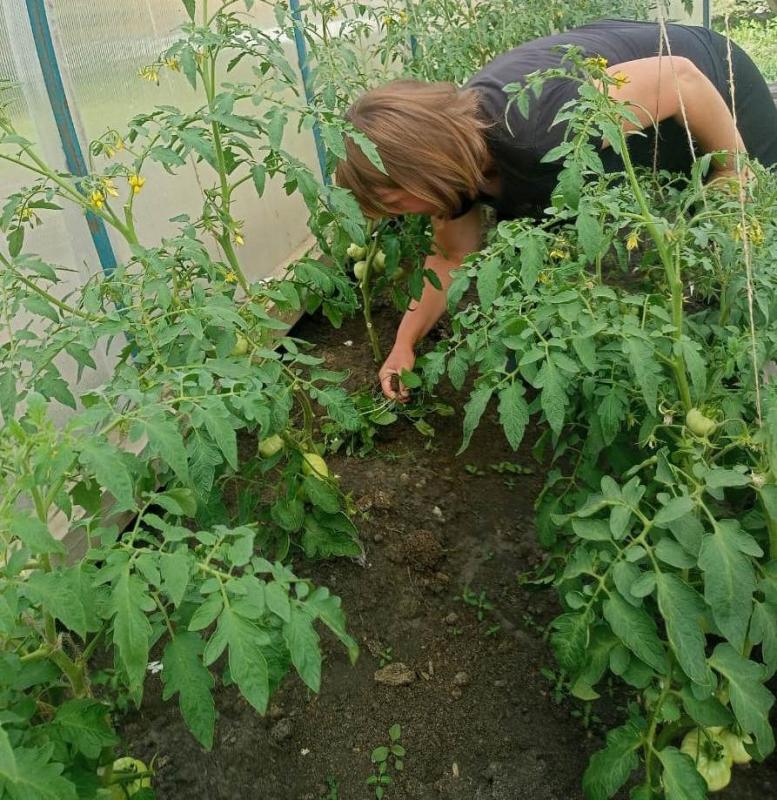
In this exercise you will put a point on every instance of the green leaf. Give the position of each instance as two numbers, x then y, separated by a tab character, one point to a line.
611	767
570	639
708	712
189	6
183	672
34	534
321	494
553	398
247	662
720	478
763	631
8	395
680	779
750	699
637	630
218	423
166	441
302	641
590	235
259	177
473	411
206	613
643	363
489	272
107	464
68	595
128	604
86	724
674	509
379	754
28	774
682	610
328	609
174	568
729	581
532	257
513	413
277	598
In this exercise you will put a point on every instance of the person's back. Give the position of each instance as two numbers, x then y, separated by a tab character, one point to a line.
518	143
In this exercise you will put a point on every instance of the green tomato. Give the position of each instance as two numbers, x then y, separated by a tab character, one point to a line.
379	261
710	757
356	251
736	746
241	346
360	270
270	446
313	464
699	424
124	790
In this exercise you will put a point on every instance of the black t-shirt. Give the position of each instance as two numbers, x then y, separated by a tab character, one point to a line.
527	183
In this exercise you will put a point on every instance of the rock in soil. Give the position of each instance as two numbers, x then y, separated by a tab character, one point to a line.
395	674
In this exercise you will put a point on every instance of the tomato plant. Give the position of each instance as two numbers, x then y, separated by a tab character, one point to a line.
646	367
198	360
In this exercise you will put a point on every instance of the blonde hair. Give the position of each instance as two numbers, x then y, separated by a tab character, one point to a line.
430	138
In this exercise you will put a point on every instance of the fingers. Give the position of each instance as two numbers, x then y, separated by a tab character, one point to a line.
387	386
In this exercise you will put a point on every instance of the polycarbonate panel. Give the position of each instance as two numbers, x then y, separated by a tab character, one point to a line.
63	238
103	47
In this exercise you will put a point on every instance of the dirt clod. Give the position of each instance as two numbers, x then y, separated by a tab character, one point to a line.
395	674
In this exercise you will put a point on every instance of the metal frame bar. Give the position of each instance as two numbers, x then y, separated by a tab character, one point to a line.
55	89
302	60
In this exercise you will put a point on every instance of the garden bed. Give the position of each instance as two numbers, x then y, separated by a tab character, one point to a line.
479	719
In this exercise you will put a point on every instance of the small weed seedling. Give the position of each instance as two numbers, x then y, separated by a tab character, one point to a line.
382	759
386	656
479	602
332	789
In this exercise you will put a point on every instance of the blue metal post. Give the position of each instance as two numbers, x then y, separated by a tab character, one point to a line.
302	59
74	157
705	13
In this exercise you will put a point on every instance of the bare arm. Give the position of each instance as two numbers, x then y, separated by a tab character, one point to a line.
665	87
454	240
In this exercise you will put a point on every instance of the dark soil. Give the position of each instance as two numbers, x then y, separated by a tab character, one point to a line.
480	719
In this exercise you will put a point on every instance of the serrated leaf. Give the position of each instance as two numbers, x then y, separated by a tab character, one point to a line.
189	6
680	778
247	662
532	257
553	398
128	604
166	441
68	595
674	509
473	411
107	464
611	767
302	641
729	581
259	177
174	569
513	413
647	373
763	631
28	774
682	609
34	534
570	639
183	672
85	723
489	272
751	701
277	598
637	630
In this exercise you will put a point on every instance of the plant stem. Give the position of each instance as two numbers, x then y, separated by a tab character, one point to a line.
366	290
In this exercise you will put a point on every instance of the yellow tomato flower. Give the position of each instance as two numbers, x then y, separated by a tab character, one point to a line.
239	238
621	79
136	182
632	241
97	199
172	63
150	73
559	254
119	143
597	62
109	187
230	277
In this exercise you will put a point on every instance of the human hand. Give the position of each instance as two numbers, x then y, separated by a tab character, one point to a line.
401	357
